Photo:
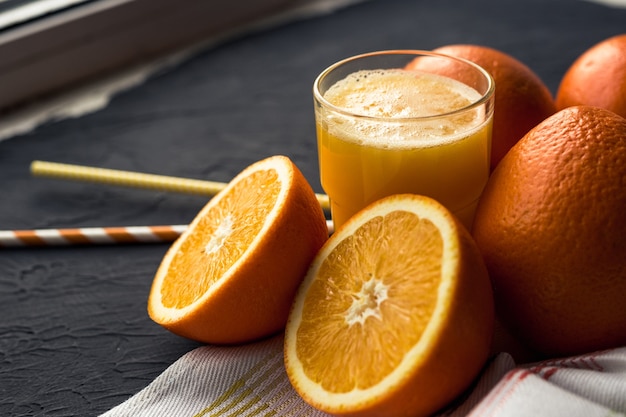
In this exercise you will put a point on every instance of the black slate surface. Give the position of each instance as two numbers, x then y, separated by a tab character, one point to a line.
75	338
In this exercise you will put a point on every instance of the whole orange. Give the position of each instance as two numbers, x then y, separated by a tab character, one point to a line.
551	225
522	100
597	78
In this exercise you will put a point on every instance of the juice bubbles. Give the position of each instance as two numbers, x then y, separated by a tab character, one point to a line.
390	131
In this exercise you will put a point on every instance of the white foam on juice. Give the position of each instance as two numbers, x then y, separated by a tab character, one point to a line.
398	96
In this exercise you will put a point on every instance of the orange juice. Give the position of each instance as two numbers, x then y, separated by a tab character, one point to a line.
396	131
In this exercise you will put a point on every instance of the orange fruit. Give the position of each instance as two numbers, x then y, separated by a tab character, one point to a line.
232	275
597	78
395	315
522	100
551	224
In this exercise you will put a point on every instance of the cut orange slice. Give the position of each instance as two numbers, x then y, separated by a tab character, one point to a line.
395	316
231	277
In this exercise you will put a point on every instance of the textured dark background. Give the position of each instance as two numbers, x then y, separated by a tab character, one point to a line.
75	338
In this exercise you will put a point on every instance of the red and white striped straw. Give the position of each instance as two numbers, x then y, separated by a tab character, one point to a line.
110	235
90	235
95	235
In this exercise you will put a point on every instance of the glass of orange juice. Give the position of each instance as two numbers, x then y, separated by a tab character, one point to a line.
394	122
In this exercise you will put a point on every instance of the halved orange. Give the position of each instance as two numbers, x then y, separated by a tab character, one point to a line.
231	277
395	316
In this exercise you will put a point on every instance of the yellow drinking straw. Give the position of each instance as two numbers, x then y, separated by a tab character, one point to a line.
136	179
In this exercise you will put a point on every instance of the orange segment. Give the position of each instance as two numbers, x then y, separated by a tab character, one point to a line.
222	235
360	298
395	314
232	275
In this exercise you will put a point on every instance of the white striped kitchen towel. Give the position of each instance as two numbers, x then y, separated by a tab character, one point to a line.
250	380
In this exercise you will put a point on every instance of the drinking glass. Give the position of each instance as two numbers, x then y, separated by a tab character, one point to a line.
394	122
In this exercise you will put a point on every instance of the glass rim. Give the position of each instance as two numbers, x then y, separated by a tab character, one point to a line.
484	98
